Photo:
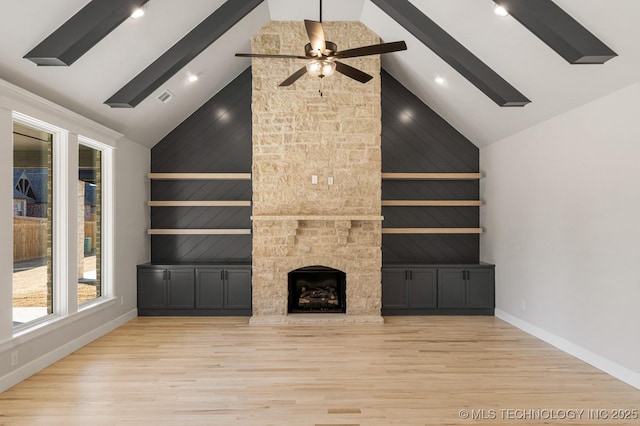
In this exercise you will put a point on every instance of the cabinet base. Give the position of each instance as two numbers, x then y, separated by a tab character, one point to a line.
195	313
465	311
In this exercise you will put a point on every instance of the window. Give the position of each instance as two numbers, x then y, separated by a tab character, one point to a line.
89	223
55	212
32	223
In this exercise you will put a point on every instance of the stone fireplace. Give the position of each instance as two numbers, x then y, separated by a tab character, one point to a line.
316	176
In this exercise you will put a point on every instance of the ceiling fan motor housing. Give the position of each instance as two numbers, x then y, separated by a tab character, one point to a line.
330	49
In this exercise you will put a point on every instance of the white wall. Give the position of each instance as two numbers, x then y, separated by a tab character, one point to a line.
40	347
132	164
562	225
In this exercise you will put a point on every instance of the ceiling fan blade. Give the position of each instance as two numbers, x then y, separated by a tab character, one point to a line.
316	36
352	72
374	49
293	77
267	55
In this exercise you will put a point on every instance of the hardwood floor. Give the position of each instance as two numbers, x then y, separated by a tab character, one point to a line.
408	371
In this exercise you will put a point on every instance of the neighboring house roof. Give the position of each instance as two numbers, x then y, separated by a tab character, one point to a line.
37	182
17	195
37	179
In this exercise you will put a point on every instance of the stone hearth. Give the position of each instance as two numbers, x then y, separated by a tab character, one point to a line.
298	134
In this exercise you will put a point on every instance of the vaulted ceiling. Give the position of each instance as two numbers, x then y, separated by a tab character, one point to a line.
513	62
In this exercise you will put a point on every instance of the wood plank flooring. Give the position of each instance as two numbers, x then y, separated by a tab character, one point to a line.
408	371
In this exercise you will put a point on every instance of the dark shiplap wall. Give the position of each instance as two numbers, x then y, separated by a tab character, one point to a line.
214	139
217	138
417	140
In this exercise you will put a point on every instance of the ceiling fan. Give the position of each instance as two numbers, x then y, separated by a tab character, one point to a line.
323	55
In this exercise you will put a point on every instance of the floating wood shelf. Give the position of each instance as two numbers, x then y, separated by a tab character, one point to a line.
200	176
318	217
432	176
199	203
432	230
199	231
432	203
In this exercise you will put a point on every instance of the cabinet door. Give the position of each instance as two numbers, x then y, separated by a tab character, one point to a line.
451	288
480	288
209	289
180	285
422	288
237	289
394	288
152	289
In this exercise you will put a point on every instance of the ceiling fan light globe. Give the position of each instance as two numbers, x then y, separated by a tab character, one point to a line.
321	68
328	68
314	68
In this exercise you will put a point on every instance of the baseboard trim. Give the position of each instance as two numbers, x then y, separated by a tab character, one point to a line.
616	370
31	368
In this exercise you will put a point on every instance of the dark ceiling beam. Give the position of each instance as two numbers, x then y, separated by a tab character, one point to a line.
181	53
559	31
82	31
452	52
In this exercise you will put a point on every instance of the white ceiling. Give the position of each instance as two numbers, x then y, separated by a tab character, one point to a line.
553	85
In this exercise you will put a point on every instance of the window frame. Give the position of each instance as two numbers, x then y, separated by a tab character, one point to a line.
65	146
107	221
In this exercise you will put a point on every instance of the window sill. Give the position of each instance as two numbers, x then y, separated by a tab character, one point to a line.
52	322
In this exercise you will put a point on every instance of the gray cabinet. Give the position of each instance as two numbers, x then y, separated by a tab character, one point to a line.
223	289
152	289
165	288
438	290
194	290
408	290
237	289
470	288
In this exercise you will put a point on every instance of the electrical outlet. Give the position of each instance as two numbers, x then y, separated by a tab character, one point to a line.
330	180
314	179
14	358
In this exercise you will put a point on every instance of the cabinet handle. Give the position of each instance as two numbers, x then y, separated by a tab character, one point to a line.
168	275
221	275
226	275
411	275
406	275
464	275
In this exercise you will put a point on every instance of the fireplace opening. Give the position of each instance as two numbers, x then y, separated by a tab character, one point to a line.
317	289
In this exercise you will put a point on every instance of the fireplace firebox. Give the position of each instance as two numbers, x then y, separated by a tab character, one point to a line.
317	289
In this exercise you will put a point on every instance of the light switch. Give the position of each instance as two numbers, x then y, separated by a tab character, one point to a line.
314	179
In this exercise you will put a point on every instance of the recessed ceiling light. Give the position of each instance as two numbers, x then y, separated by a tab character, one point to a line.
500	11
192	78
138	13
440	80
406	115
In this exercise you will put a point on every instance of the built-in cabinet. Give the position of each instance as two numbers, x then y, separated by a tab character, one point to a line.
409	289
438	289
466	288
194	289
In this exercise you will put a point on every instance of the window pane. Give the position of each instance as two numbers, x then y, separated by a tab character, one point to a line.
89	223
32	224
